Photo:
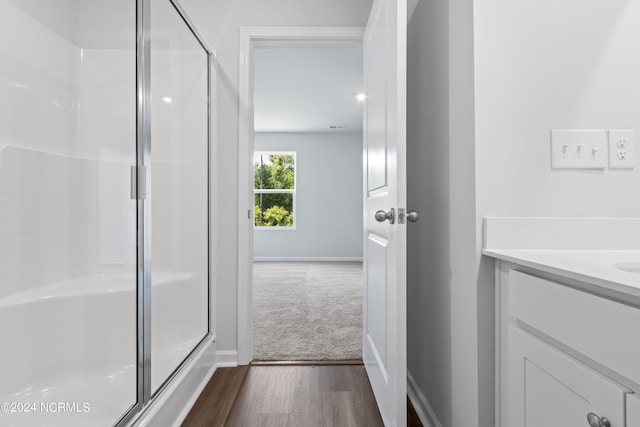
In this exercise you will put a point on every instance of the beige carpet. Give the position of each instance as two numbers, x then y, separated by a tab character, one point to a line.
307	311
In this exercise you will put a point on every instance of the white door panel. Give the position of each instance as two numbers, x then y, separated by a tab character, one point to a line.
376	60
376	319
384	328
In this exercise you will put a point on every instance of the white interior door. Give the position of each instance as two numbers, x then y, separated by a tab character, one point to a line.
384	320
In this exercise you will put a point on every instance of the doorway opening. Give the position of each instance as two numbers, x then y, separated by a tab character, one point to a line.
307	170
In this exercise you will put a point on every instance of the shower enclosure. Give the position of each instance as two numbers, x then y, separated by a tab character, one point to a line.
104	178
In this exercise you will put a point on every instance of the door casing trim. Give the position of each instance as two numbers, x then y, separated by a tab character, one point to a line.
248	37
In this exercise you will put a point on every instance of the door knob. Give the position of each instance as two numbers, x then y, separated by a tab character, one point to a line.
413	216
596	421
382	216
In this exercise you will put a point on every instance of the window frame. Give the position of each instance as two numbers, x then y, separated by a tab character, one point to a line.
282	191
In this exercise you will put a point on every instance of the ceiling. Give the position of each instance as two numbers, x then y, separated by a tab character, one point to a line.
308	87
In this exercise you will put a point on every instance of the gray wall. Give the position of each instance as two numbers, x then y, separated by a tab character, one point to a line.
450	312
328	198
428	257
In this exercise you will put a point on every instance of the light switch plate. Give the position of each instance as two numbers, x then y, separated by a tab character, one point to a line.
578	149
622	153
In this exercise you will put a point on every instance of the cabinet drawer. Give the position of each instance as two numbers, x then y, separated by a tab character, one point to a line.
603	330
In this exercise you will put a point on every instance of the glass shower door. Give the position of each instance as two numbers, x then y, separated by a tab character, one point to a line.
179	194
67	221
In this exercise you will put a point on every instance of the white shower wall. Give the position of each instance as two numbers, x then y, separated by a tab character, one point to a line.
68	267
67	251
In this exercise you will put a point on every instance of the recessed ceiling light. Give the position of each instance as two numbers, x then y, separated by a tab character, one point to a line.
167	100
361	97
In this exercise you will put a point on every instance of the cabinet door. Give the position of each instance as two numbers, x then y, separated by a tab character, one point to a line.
633	410
548	388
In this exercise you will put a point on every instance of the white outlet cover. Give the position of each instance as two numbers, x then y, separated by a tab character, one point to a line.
622	138
578	149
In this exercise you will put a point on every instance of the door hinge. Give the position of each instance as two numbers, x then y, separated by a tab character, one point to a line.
138	183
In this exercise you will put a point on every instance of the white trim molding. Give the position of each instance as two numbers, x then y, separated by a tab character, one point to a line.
226	358
426	414
173	403
248	37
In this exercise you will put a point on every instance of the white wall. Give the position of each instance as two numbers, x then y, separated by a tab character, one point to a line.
37	83
287	76
514	71
60	16
539	68
328	197
220	22
62	99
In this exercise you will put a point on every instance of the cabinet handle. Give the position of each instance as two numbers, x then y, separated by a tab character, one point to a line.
596	421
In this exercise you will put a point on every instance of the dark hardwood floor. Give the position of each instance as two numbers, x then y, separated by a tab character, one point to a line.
412	416
322	395
289	395
216	400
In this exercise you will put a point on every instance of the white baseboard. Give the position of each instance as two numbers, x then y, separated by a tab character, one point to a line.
307	259
173	403
226	358
423	409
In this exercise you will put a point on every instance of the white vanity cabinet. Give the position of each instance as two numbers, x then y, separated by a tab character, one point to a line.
567	355
547	388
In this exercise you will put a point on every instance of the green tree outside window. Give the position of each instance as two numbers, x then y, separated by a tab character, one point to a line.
274	189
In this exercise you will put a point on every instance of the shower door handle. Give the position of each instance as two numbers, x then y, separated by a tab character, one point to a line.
138	182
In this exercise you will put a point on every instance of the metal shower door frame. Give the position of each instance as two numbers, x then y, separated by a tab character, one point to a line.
144	396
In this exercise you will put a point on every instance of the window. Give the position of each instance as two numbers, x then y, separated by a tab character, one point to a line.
274	183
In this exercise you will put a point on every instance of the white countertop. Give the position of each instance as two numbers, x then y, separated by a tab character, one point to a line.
589	250
594	267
